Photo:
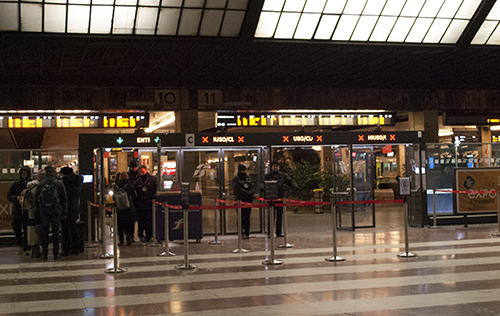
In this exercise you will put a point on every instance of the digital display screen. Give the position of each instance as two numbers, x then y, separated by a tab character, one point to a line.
75	121
317	119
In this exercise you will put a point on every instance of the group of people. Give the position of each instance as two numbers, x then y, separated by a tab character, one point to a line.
140	188
46	204
243	190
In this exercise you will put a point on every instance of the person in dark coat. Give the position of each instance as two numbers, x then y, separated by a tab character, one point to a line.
283	180
145	187
242	190
69	235
126	217
19	217
50	216
133	172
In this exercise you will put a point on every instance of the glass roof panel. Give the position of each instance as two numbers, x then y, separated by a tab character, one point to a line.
127	16
372	20
307	26
489	33
287	24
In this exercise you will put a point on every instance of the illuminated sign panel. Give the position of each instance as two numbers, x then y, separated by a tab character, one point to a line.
75	121
471	119
273	119
379	138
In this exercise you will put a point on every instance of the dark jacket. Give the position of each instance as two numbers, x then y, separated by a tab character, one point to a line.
145	187
283	179
62	210
73	185
18	187
242	188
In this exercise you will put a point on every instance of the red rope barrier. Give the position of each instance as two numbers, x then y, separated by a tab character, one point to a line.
94	205
371	202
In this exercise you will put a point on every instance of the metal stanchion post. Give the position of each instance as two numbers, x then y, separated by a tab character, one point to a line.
271	261
434	219
334	234
216	227
167	232
154	242
186	264
285	243
407	252
104	254
498	216
240	247
90	243
115	268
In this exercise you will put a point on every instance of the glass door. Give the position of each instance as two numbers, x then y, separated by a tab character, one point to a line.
342	182
363	175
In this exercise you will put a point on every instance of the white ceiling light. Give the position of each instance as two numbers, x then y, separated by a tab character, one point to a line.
397	21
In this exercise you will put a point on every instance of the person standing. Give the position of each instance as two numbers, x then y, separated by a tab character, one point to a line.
125	216
282	179
133	172
242	190
51	205
19	217
145	187
69	235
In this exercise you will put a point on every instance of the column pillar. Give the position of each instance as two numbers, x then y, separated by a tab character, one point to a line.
426	121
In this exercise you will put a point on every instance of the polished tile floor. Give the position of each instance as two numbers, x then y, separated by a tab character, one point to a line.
456	272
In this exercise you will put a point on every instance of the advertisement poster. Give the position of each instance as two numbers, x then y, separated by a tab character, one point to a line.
475	181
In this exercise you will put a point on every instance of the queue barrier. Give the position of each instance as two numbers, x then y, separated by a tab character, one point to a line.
239	205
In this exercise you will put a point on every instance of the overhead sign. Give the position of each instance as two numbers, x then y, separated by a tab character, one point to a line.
477	181
75	121
317	119
468	119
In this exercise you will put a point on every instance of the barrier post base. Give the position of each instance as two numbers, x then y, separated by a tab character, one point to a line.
166	254
495	234
241	250
104	256
434	227
154	243
183	266
406	255
118	270
272	262
335	258
215	242
287	245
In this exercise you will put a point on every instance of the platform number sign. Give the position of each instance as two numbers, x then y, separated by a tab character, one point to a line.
209	98
167	97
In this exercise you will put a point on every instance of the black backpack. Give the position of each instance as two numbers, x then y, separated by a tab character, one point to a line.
49	197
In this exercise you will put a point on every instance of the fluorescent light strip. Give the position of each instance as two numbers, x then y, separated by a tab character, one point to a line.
398	21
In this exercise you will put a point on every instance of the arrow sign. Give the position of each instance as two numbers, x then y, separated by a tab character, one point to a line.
119	140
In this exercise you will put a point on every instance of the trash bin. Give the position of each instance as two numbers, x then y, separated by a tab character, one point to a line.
318	197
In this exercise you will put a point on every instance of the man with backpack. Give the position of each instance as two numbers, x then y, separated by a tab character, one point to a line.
51	206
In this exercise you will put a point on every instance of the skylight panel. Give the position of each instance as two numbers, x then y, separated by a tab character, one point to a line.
315	6
307	25
218	18
397	21
287	24
326	27
267	24
489	32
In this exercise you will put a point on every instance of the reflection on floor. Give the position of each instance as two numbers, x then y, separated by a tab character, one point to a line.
456	272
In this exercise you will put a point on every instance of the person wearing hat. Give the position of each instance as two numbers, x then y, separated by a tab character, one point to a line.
242	190
69	235
145	186
133	170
